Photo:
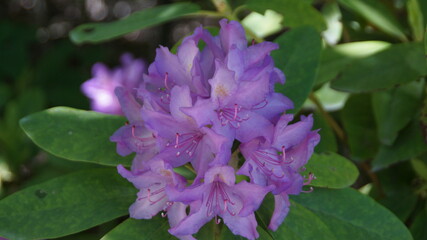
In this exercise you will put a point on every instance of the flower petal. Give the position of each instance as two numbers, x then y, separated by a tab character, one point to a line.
232	33
243	226
281	209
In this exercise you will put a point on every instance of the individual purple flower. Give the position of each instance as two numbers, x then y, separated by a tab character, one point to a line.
183	141
134	136
152	197
265	166
100	88
241	87
220	196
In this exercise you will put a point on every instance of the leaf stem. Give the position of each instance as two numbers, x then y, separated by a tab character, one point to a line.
208	14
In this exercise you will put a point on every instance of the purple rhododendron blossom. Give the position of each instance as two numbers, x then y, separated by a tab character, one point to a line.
192	109
100	88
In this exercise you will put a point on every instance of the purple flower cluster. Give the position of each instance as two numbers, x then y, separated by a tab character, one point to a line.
198	106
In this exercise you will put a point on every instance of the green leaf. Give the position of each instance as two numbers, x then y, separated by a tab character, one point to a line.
420	168
404	63
226	234
292	10
415	18
300	222
157	228
141	229
395	191
298	64
331	170
418	227
378	14
65	205
359	125
328	142
334	59
334	215
330	99
352	215
395	108
263	25
98	32
214	31
5	93
332	15
409	144
76	135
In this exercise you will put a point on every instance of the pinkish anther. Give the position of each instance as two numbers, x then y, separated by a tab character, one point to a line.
188	142
310	178
218	195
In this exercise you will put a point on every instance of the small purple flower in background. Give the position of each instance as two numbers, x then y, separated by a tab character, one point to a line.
100	88
191	109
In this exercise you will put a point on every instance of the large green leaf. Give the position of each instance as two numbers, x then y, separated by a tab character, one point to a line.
378	14
415	19
394	109
398	64
334	59
98	32
76	134
157	228
331	171
395	190
298	64
359	125
65	205
409	144
132	229
351	215
335	214
226	234
418	227
420	168
295	12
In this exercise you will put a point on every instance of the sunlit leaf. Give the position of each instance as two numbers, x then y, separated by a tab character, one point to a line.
98	32
378	14
416	20
292	11
398	64
332	15
334	59
263	25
